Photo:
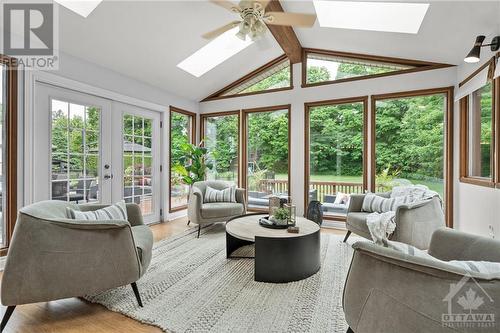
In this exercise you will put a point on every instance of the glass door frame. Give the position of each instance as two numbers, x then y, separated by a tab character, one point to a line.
119	110
244	146
448	139
307	148
45	93
9	191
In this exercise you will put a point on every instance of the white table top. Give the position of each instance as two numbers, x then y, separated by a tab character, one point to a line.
247	227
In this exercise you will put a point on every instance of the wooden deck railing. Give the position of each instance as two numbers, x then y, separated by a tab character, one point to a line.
322	188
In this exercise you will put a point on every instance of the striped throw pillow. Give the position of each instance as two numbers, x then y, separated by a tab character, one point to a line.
118	211
374	203
225	195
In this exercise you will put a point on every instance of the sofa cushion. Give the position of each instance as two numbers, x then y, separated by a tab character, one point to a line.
118	211
221	209
374	203
225	195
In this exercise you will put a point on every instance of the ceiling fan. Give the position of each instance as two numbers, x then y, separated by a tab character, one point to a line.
254	19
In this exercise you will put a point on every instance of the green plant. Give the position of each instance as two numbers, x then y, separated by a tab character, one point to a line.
386	177
192	166
281	214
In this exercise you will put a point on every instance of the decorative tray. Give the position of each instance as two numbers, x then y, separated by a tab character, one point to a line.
266	223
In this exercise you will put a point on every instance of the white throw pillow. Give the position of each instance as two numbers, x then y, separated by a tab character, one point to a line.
118	211
485	267
339	198
225	195
374	203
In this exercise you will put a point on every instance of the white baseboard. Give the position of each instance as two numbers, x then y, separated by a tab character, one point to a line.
333	224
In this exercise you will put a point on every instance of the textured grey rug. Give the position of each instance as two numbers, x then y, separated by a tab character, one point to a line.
192	287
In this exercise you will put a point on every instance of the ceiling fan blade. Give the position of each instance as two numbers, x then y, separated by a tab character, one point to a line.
264	3
219	31
291	19
226	4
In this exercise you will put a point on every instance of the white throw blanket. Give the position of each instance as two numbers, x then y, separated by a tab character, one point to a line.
382	225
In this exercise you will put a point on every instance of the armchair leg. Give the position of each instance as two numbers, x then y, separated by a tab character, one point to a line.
345	240
6	316
349	330
199	228
189	221
136	293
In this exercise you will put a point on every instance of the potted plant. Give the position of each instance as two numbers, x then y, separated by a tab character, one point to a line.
280	216
192	165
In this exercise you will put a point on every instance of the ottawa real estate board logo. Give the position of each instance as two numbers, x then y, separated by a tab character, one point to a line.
468	305
30	34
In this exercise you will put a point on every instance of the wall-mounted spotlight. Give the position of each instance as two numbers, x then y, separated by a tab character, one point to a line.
475	53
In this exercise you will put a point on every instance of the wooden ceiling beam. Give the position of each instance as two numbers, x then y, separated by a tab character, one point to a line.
284	35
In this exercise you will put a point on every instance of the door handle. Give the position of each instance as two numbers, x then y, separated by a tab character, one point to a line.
108	176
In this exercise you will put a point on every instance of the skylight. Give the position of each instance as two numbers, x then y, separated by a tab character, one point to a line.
81	7
375	16
214	53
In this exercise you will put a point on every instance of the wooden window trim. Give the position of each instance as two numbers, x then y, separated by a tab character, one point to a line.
174	109
419	66
203	118
244	159
10	212
261	69
464	138
307	150
448	140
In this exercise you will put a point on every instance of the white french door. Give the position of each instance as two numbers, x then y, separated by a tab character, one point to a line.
90	149
136	152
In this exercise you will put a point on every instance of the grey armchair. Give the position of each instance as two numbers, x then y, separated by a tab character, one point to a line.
387	291
415	223
52	257
207	213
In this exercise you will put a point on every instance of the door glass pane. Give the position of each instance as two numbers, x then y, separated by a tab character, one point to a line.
137	162
3	98
267	156
180	134
410	142
335	155
221	140
480	133
75	152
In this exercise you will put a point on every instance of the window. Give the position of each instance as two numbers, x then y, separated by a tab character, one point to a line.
273	76
335	153
477	136
321	66
182	131
8	153
220	135
412	141
75	152
3	99
137	161
266	154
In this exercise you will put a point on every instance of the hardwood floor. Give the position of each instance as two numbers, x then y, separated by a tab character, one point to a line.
74	315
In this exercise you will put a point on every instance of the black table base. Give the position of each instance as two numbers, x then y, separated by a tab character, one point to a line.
281	260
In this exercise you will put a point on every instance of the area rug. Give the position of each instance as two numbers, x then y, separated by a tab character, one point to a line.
190	286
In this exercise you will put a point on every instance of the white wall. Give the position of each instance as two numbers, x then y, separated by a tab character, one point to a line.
477	208
86	77
298	96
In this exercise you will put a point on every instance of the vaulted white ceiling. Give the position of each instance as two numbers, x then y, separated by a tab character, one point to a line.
145	40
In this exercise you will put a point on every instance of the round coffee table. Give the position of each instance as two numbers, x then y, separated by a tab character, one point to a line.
280	256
